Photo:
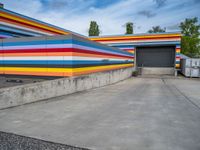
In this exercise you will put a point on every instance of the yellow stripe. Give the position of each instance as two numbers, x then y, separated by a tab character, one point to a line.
26	69
177	65
100	67
35	69
128	37
33	23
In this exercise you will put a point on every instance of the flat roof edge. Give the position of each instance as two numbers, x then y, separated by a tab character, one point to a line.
139	34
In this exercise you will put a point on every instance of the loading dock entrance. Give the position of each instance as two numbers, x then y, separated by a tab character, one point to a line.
156	60
155	56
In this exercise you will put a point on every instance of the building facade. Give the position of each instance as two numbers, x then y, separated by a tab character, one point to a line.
32	47
149	50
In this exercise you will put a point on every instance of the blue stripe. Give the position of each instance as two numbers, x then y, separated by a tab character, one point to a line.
5	33
19	31
100	47
40	42
122	46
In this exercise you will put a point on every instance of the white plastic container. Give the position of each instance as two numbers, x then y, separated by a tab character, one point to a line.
190	67
195	63
194	72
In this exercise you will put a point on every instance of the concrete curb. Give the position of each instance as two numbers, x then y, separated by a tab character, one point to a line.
23	94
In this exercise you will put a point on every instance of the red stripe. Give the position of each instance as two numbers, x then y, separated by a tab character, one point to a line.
60	50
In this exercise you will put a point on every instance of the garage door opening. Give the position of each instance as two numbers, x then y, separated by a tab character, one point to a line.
155	56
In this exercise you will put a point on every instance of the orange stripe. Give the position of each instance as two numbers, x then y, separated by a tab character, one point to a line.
24	54
130	51
58	54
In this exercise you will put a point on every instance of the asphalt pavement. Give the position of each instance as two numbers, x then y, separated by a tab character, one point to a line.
136	114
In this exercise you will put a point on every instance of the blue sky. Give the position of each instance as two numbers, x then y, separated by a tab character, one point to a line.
111	15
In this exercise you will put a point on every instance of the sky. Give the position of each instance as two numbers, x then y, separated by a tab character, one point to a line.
111	15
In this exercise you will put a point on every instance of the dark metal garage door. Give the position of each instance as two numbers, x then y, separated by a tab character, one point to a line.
155	56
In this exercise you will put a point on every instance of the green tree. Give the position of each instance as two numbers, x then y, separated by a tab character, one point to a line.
190	43
94	29
129	28
157	29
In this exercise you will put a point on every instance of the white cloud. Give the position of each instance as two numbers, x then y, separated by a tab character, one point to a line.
76	15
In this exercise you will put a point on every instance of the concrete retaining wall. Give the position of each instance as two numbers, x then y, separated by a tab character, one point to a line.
19	95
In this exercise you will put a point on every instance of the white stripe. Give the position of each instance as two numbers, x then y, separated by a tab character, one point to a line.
38	46
140	41
127	48
91	58
37	58
97	49
61	46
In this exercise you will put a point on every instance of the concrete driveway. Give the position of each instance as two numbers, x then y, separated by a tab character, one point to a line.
139	113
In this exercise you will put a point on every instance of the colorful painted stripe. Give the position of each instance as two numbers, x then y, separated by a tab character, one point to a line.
67	55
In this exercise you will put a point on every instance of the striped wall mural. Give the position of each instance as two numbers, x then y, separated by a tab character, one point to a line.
16	25
178	57
66	55
131	42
